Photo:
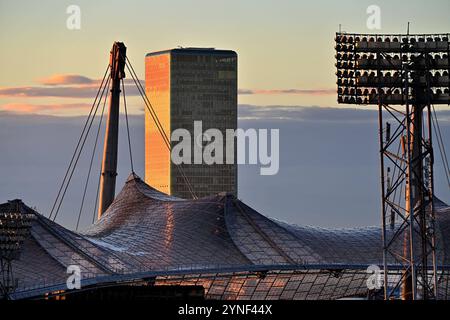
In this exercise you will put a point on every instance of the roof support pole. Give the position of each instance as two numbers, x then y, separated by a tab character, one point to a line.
109	163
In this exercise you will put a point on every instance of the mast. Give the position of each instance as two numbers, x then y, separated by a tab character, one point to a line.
109	163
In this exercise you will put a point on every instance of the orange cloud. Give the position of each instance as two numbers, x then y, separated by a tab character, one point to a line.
64	86
54	91
43	108
65	79
78	86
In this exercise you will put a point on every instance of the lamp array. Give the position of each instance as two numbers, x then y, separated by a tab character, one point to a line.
392	69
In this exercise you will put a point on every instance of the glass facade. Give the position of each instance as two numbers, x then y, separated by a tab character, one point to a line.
157	155
202	87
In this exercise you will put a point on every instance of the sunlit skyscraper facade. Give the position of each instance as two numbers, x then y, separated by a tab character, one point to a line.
186	85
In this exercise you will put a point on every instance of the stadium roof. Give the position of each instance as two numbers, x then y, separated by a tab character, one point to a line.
147	234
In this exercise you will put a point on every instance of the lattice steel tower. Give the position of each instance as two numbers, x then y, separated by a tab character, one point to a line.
405	75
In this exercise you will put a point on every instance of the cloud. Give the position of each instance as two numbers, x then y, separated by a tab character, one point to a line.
61	92
305	113
330	168
74	91
64	86
79	86
316	92
318	114
65	79
42	108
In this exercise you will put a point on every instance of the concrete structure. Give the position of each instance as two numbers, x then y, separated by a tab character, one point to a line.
186	85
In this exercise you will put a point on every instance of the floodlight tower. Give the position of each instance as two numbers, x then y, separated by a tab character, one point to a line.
15	224
404	75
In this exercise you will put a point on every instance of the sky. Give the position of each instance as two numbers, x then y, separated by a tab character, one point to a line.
329	170
285	47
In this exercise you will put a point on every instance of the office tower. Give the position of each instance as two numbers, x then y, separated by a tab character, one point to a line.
186	85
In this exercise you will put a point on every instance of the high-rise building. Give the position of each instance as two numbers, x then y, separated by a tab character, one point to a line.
186	85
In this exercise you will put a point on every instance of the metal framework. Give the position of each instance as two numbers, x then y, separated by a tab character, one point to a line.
7	281
15	223
404	75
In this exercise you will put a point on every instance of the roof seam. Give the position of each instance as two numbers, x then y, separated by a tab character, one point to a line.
263	234
56	234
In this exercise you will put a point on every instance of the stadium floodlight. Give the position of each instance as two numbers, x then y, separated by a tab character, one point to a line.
405	76
15	224
392	68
